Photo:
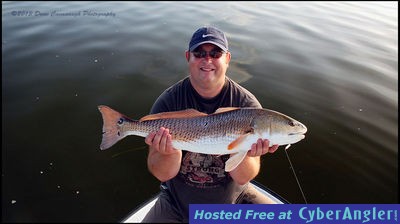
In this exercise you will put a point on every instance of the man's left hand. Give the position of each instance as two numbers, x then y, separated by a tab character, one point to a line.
261	147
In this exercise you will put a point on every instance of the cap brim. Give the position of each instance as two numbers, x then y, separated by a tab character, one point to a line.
208	42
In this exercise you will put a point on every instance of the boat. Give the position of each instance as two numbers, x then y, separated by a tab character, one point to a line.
137	215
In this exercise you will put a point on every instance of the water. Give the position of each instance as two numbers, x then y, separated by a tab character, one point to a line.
333	66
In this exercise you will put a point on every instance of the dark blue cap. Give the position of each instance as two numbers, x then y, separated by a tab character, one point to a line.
210	35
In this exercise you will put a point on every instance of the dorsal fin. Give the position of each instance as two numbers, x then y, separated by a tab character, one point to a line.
225	109
174	114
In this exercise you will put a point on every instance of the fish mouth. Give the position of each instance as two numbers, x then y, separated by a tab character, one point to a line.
298	133
301	132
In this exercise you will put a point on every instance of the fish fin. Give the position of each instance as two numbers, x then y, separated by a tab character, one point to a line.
234	161
174	114
225	109
111	126
237	141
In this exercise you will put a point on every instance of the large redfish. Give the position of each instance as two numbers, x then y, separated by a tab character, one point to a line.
227	131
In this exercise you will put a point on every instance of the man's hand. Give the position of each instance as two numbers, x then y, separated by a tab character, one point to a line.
261	147
163	160
161	141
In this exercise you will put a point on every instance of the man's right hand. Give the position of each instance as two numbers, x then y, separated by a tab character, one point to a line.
163	161
161	141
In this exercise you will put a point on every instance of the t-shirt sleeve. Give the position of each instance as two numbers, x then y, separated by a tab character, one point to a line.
247	99
251	101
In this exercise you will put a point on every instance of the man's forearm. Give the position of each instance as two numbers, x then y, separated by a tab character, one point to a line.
164	167
246	170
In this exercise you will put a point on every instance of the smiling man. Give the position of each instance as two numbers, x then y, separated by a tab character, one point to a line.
194	178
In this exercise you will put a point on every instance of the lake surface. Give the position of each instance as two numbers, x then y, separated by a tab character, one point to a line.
333	66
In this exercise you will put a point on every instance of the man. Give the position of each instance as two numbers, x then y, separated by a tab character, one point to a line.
193	178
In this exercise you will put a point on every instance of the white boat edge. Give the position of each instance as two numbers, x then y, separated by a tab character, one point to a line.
137	215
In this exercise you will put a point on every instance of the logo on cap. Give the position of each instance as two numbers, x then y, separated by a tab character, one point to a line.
207	35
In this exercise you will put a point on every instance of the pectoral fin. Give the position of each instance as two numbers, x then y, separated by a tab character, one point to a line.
237	141
234	161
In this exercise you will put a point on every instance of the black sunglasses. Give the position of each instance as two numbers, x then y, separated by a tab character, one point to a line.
203	54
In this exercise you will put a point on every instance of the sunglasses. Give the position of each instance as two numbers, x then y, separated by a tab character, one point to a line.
203	54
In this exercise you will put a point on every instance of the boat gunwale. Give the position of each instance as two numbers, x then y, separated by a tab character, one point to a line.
133	215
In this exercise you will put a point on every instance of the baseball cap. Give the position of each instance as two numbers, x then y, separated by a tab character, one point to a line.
210	35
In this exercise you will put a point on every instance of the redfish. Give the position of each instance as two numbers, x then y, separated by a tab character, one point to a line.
227	131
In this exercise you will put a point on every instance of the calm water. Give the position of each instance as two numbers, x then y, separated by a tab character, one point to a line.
333	66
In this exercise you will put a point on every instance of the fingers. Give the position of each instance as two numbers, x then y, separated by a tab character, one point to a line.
149	139
160	141
157	139
273	148
261	147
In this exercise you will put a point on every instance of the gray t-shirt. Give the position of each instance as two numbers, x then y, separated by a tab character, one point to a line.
202	178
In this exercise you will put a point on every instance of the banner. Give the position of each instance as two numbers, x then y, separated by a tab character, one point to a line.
294	213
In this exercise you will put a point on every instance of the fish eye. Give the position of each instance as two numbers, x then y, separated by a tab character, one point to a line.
120	121
291	123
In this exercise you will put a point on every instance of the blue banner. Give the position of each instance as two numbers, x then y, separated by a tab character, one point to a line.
294	213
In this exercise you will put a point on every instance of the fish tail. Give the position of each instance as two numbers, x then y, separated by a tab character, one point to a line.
112	126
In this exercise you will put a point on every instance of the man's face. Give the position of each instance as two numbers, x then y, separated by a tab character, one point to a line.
207	71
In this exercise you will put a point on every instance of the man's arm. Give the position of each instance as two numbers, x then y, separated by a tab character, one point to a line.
250	166
163	160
